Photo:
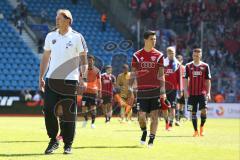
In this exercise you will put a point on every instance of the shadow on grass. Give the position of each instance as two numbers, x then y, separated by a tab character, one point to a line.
174	136
25	154
127	130
103	147
21	141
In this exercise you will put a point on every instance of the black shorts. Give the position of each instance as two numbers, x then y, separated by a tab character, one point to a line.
172	98
194	101
150	93
148	105
107	99
89	99
181	100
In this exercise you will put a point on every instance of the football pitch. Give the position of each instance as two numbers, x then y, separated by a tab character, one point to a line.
25	138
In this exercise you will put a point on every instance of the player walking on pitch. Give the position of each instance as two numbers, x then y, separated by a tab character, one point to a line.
92	93
148	70
197	89
108	81
173	75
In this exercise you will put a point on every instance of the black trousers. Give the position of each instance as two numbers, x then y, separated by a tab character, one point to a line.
60	95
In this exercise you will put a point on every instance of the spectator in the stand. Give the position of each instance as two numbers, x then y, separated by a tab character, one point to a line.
14	17
74	2
43	16
104	20
22	9
231	97
219	98
40	45
143	10
167	18
133	4
20	25
1	16
238	97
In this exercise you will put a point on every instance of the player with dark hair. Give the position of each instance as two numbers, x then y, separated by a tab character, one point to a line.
148	71
92	93
108	83
197	89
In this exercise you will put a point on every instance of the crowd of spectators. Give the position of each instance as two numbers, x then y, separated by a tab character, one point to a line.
220	23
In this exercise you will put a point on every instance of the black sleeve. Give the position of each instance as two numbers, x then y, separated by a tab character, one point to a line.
186	74
208	73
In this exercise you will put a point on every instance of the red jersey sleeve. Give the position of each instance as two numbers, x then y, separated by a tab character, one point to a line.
134	62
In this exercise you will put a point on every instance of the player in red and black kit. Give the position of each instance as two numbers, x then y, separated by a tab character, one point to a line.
183	113
173	75
108	82
197	88
148	71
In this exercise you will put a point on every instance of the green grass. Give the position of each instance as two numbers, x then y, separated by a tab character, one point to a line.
25	138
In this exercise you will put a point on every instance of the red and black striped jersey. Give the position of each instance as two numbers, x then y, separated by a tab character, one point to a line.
197	75
108	81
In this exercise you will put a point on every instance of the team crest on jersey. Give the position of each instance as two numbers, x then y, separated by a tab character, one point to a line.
202	68
197	73
69	44
141	58
54	41
153	58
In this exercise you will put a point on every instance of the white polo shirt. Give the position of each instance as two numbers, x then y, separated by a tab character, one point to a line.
65	54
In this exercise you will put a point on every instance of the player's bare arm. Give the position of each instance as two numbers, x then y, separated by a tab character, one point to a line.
43	68
208	87
162	82
132	79
83	64
99	84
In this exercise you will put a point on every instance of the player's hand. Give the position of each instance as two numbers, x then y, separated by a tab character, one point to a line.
41	84
163	96
130	90
81	86
181	94
208	96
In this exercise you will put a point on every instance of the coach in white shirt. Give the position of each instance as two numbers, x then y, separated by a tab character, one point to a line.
65	56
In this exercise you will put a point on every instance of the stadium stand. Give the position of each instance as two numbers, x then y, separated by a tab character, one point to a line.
86	20
18	64
175	26
221	35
